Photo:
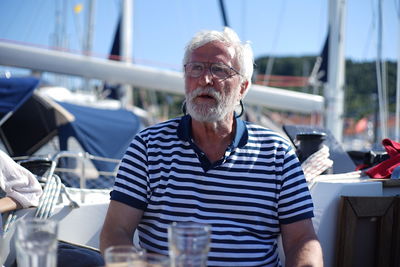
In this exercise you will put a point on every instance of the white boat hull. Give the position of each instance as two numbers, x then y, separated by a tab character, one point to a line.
82	225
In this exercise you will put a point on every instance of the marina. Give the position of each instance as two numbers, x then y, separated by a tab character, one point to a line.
64	138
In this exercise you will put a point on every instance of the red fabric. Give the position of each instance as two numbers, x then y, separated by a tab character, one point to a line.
361	167
385	168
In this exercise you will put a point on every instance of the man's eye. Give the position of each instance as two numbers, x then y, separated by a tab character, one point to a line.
197	67
220	69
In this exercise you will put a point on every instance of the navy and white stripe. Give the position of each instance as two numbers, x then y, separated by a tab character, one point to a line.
245	197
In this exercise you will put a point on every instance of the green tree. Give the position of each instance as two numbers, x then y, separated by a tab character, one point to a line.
360	81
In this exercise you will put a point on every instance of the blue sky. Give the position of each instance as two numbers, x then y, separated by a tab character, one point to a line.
161	28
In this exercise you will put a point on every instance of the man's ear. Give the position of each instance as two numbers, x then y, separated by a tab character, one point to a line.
243	87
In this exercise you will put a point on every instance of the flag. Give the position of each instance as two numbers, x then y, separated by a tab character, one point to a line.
78	8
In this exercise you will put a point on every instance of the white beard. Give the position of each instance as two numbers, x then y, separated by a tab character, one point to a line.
209	112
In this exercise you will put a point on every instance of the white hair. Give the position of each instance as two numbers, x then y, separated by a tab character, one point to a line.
243	51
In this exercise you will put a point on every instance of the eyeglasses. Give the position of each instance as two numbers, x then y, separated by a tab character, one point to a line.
217	70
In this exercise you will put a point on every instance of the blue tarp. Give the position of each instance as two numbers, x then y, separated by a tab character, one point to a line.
14	92
101	132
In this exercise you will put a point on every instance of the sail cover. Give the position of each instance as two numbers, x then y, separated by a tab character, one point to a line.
101	132
28	120
14	92
35	119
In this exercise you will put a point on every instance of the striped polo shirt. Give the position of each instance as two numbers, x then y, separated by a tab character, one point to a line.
245	196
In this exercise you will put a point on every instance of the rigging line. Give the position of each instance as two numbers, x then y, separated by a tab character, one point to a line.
78	27
397	8
180	8
224	16
64	24
15	18
31	24
370	32
322	27
117	4
244	19
271	59
385	94
373	21
369	39
397	114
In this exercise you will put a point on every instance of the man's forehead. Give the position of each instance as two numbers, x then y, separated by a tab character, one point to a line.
214	49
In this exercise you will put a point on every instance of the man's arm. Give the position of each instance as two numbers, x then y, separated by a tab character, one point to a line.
119	225
301	244
8	204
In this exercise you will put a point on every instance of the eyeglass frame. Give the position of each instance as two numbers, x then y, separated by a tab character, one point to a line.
210	64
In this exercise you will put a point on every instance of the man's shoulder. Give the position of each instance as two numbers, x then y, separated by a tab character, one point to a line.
171	123
170	126
257	131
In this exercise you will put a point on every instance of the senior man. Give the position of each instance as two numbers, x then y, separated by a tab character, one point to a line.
209	166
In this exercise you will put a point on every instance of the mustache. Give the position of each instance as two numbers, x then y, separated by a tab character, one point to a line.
207	91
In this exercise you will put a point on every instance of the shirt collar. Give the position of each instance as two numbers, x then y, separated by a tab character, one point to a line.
185	131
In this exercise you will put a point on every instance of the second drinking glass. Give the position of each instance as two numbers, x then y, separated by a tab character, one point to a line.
189	244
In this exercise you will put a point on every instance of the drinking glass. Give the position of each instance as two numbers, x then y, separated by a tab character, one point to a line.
123	256
2	245
154	260
36	242
189	243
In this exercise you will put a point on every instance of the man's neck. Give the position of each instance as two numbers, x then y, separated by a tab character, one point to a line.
214	137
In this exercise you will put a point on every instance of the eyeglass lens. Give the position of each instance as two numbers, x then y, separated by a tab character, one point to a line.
218	70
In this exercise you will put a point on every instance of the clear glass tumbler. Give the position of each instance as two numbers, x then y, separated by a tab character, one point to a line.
2	245
36	242
123	256
154	260
189	244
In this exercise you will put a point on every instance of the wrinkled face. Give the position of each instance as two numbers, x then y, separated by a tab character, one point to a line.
208	97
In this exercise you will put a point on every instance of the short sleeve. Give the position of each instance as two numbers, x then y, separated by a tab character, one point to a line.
131	185
295	202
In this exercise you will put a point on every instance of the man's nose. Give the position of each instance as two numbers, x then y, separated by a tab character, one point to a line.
206	77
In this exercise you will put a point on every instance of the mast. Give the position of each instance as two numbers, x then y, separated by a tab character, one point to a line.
224	16
380	74
59	37
334	88
88	42
126	45
397	122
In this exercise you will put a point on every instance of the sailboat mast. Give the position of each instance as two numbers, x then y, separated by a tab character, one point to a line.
126	45
397	122
380	74
223	13
88	41
334	88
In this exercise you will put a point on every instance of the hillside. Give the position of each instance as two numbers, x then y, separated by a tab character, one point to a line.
360	82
